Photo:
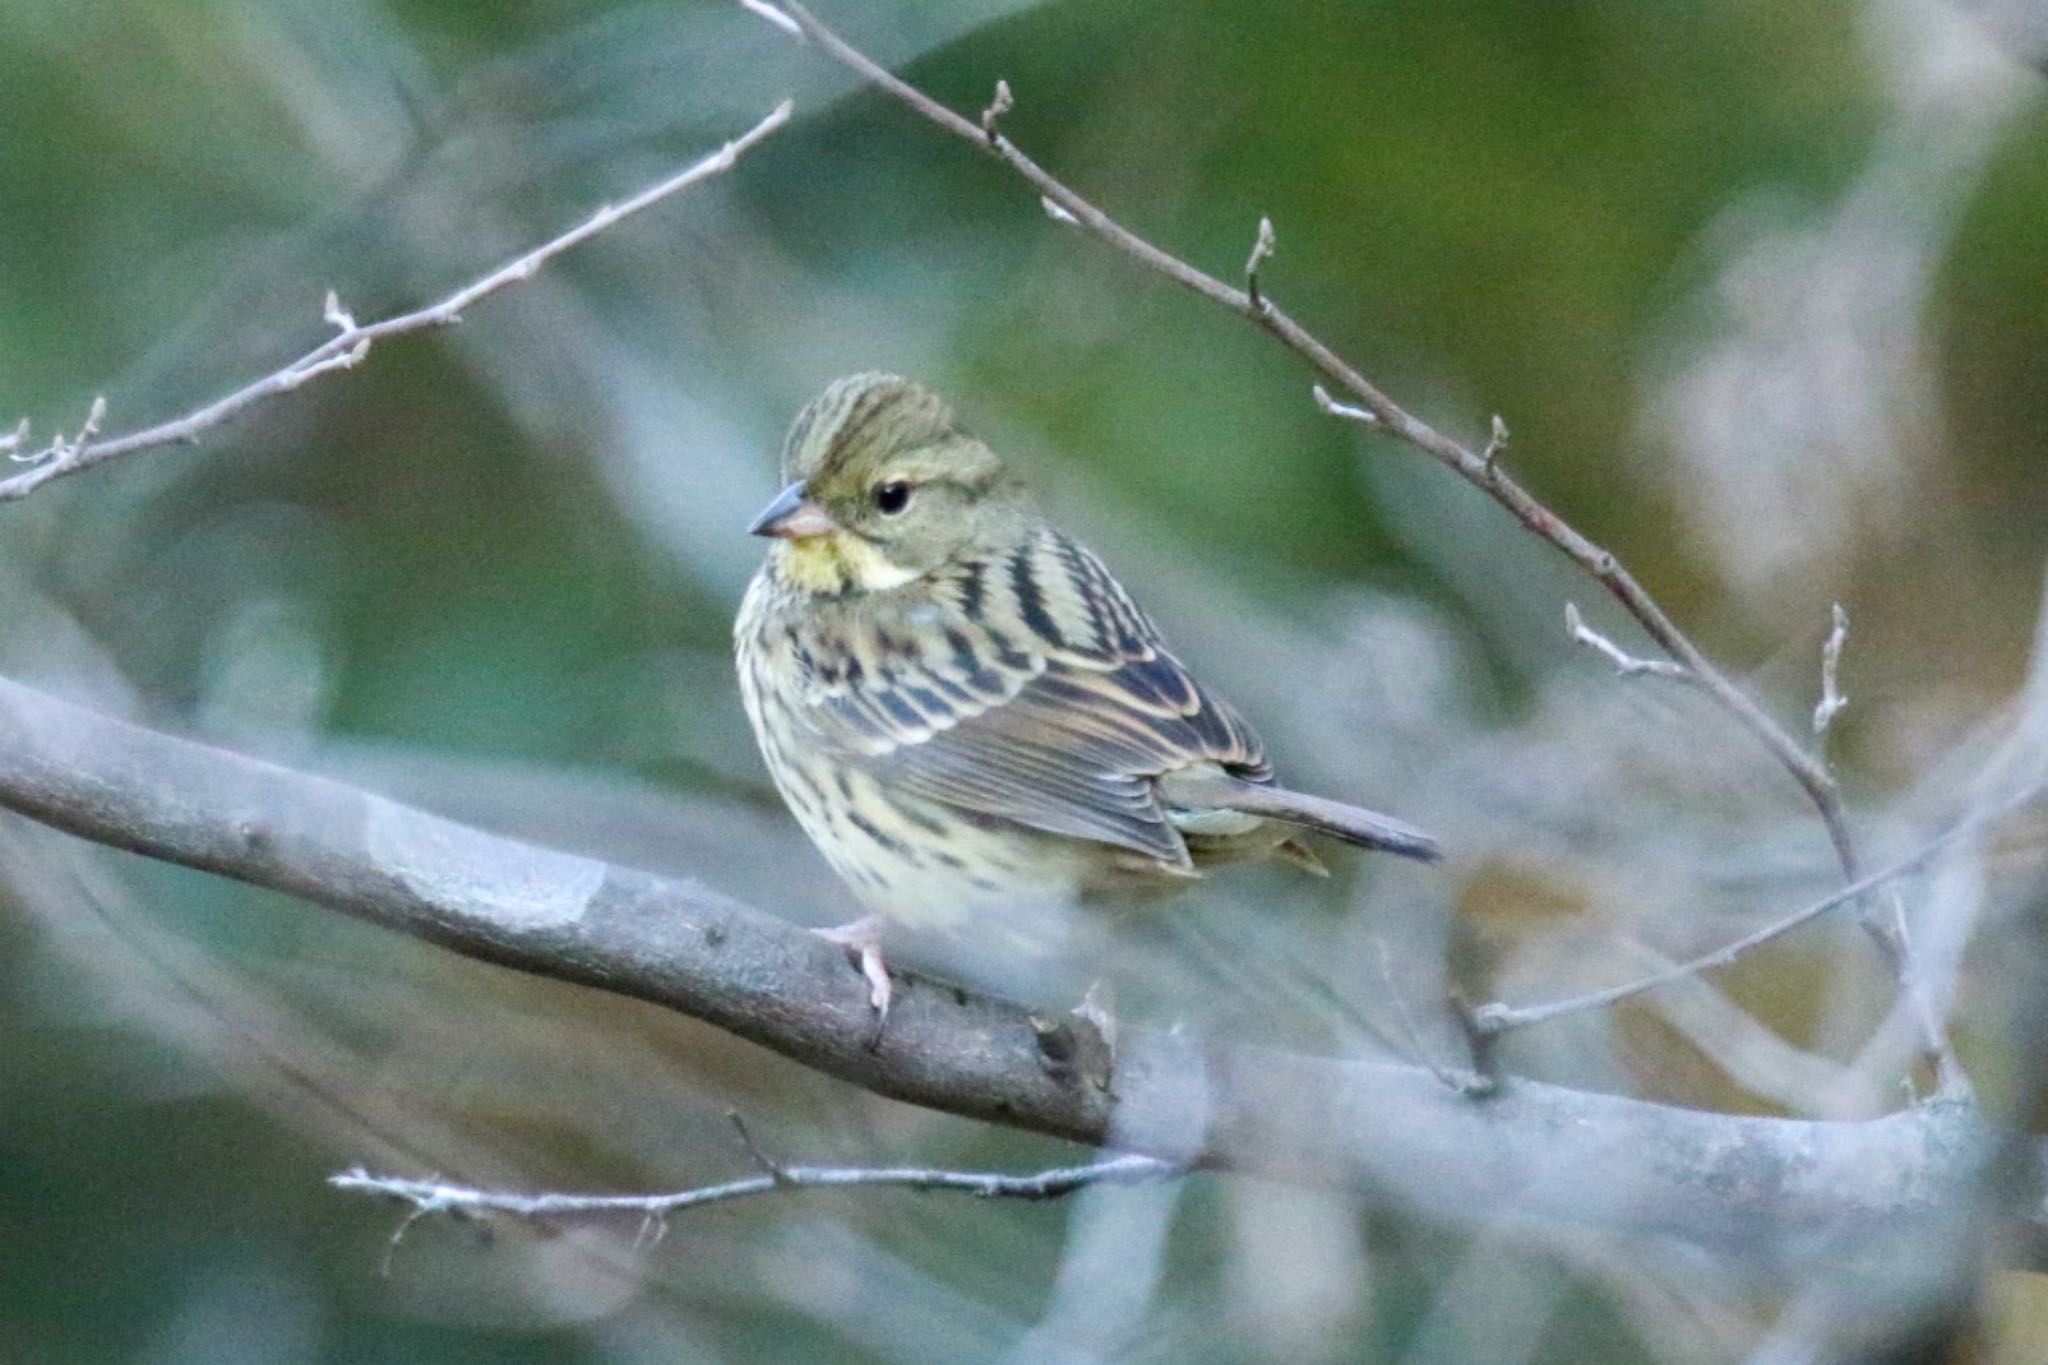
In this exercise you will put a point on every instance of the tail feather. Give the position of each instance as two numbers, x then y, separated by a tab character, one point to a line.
1195	788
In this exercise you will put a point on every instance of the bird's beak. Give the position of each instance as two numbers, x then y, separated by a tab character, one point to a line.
793	516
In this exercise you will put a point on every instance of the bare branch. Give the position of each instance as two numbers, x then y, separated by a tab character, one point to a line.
1831	699
1776	1190
1625	663
429	1197
1500	1018
769	1165
351	342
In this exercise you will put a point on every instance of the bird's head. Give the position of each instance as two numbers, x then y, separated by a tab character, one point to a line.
883	488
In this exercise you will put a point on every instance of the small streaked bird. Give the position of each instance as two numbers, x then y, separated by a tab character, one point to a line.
965	711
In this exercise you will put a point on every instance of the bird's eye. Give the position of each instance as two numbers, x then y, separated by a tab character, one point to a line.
892	497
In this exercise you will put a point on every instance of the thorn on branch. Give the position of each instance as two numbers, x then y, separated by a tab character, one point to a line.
1344	410
1002	104
1056	211
775	17
1262	247
337	316
62	450
1831	699
1483	1028
1495	444
1625	663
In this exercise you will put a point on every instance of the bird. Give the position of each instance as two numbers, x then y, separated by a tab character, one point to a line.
964	709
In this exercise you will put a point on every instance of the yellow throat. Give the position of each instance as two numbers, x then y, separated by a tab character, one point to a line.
833	562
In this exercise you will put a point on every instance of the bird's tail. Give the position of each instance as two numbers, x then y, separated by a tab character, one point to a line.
1193	788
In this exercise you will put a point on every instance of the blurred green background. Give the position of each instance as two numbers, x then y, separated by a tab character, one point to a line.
1761	290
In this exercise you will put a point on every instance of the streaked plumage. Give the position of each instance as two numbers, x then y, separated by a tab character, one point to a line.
962	707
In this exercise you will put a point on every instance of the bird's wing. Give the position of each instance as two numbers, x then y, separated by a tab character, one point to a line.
1029	688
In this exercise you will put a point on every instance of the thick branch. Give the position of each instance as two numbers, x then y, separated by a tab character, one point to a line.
351	341
1776	1187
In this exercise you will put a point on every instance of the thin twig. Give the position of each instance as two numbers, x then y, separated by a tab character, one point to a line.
1003	102
1831	699
1885	917
351	342
770	1167
1462	1081
1349	412
429	1197
1625	663
1501	1018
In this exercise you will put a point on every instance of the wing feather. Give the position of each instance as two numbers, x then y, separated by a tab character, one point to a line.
1027	688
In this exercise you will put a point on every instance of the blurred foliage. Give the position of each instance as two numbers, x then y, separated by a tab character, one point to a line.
1758	287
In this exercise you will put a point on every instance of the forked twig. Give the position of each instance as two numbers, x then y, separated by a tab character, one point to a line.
1625	663
1500	1018
1464	1082
352	341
